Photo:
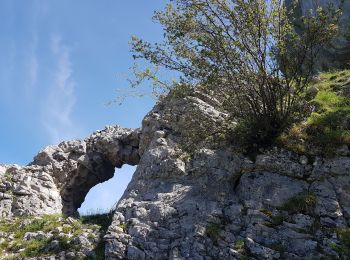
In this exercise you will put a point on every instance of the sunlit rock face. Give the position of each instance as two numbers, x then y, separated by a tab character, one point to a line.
217	204
337	55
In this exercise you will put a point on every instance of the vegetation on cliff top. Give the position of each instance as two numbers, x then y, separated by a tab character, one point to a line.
246	54
327	129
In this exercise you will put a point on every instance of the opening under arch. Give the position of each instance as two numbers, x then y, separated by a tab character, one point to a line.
102	197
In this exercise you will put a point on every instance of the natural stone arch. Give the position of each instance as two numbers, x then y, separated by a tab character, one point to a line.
79	165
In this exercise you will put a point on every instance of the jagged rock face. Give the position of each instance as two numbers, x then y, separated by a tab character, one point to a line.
59	178
206	206
337	55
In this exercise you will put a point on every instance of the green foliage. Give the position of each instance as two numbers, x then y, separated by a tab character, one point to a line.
301	203
123	226
213	231
39	247
4	245
102	220
8	175
328	127
240	245
343	249
266	212
277	220
33	248
246	54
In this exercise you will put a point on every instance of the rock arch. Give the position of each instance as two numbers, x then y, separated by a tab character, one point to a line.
68	170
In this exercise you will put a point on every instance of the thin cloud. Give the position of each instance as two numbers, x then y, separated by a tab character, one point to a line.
32	67
57	118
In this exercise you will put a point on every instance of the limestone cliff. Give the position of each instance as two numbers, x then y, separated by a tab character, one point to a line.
212	203
337	55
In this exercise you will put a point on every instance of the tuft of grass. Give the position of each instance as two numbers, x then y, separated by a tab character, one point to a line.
277	220
33	248
123	226
4	245
213	231
266	212
343	249
103	220
240	246
328	127
71	228
8	175
301	203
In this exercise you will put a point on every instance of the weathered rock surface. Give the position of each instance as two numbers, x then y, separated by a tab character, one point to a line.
59	177
337	55
205	203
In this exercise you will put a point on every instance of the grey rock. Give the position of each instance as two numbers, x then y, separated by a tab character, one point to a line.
261	189
337	55
135	253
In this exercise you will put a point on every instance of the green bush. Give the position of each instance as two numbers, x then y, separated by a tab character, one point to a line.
343	249
301	203
245	54
213	231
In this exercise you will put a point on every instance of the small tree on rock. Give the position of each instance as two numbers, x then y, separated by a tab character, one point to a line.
244	52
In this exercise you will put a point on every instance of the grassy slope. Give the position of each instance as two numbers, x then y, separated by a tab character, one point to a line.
328	127
15	246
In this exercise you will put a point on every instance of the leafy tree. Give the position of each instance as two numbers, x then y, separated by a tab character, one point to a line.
244	52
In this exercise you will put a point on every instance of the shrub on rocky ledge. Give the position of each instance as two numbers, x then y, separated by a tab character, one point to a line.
246	54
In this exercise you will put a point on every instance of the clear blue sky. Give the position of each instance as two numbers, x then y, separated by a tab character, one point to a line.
61	62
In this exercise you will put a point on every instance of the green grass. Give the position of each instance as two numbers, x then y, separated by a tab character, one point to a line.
266	212
103	221
277	220
239	245
328	127
301	203
123	226
4	245
47	223
8	175
343	249
213	231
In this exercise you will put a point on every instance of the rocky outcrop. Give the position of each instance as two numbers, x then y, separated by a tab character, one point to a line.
216	204
59	177
337	55
192	197
51	236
